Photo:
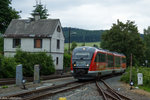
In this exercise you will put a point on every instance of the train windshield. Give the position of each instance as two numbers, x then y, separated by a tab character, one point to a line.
82	55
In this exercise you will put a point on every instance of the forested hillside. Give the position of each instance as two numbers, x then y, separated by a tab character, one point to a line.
81	35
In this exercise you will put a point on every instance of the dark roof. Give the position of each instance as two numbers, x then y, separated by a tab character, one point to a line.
28	28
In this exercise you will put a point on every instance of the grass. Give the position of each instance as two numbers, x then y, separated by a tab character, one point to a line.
81	43
146	77
3	87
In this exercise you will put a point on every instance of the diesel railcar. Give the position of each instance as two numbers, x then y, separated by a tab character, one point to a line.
90	62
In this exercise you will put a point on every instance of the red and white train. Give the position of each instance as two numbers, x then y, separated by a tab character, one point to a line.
91	62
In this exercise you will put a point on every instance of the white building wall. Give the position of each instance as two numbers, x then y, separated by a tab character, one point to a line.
55	36
57	52
27	44
60	60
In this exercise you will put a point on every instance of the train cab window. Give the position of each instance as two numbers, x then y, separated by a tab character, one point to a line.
100	57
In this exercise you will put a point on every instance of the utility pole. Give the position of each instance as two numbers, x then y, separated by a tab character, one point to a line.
84	39
69	41
131	68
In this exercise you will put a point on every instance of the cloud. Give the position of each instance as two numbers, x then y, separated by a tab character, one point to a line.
89	14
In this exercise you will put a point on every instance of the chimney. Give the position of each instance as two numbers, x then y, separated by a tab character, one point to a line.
36	16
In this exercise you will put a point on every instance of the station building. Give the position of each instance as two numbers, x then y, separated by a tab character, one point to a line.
36	35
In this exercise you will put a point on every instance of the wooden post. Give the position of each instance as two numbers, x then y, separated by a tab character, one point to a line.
69	41
131	68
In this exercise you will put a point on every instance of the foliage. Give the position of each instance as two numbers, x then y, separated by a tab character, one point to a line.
4	87
83	44
67	59
74	44
94	45
28	60
147	43
7	67
135	70
41	10
124	38
1	44
7	13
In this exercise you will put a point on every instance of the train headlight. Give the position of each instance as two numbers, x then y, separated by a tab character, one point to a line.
74	65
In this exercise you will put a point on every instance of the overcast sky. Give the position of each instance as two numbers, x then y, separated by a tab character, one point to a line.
91	14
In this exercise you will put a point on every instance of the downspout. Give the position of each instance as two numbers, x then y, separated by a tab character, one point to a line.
50	44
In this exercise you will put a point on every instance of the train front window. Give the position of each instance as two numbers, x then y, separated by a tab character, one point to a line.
80	55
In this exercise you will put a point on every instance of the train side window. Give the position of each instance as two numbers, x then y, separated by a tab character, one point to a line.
110	60
97	58
123	60
100	57
117	62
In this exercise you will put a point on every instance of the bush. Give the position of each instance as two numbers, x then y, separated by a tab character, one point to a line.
146	74
67	60
28	60
7	67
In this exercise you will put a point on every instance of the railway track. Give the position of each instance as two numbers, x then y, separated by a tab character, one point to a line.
47	91
110	93
30	79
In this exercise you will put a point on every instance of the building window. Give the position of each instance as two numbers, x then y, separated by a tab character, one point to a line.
16	43
57	60
58	44
37	43
58	29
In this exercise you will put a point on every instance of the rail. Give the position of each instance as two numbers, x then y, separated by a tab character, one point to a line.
47	91
109	92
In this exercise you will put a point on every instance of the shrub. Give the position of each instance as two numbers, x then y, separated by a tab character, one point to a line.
67	60
135	70
7	67
28	60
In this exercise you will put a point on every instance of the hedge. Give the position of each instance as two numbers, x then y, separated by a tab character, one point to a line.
28	60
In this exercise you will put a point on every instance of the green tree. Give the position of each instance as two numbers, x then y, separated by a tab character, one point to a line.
41	10
147	43
7	13
95	45
74	44
124	38
1	44
67	60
